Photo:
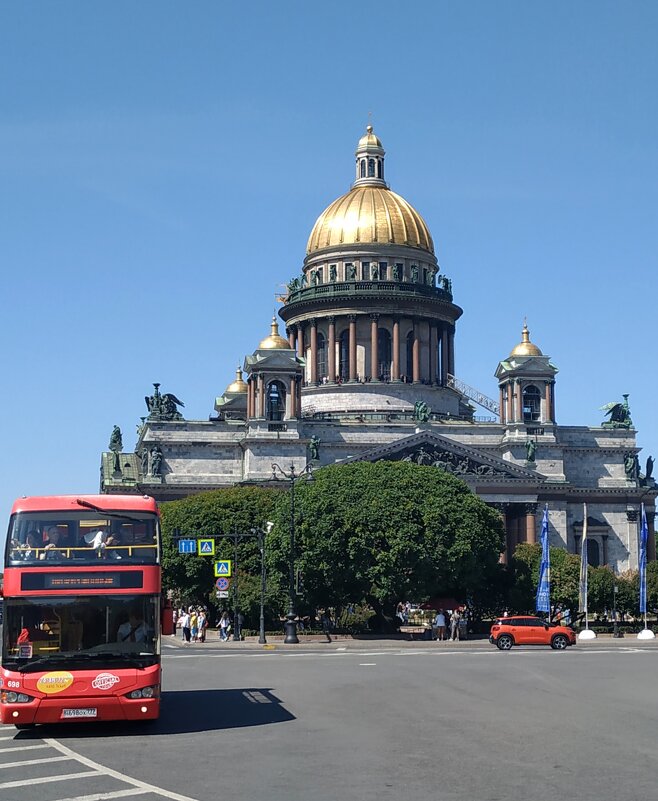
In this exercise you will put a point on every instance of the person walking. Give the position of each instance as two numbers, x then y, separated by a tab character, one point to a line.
185	626
224	626
327	624
440	625
202	623
455	618
194	625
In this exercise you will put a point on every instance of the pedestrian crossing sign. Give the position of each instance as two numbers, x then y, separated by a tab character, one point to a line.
223	568
206	547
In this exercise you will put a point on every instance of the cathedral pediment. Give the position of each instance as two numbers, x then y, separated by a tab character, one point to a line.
427	448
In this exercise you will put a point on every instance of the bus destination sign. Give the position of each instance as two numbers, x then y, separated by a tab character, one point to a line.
106	580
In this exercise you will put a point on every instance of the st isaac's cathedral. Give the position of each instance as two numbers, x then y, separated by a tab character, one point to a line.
367	371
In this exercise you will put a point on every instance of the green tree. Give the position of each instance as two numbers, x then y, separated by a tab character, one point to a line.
565	578
190	578
387	531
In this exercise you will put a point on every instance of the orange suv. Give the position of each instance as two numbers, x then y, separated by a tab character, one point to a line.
526	630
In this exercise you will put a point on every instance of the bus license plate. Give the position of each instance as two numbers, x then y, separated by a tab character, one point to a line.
79	713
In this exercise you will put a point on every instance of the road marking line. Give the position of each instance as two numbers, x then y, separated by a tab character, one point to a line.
107	796
4	765
22	748
44	779
115	773
367	664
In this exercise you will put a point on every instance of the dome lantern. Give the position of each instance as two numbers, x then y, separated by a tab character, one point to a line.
274	341
525	346
369	161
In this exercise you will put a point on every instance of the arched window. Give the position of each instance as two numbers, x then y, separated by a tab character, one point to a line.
322	358
379	168
384	354
410	356
371	168
531	403
363	168
344	354
276	401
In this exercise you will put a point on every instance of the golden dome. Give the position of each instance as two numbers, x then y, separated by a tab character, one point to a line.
369	140
526	347
238	385
274	341
367	215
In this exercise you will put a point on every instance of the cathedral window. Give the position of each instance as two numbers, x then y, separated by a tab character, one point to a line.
384	354
379	168
363	168
410	357
344	356
322	358
365	270
531	403
371	168
383	269
276	401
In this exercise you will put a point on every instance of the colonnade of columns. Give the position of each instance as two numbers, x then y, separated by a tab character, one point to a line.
520	526
432	348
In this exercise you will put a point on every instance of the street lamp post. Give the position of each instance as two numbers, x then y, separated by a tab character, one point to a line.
262	640
293	477
615	630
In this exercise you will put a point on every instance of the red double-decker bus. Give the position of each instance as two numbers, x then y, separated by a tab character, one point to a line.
81	634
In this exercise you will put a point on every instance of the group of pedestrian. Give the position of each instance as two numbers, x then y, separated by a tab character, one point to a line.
193	623
447	624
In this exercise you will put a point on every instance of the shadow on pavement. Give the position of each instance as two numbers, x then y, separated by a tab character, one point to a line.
183	711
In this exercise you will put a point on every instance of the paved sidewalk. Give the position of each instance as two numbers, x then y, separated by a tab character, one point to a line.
318	642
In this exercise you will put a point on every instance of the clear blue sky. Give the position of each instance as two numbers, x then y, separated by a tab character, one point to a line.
162	164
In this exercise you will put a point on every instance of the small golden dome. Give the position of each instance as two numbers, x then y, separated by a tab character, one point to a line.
274	341
370	214
369	140
525	346
238	385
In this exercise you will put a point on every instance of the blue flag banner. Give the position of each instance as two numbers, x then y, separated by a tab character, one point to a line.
644	536
543	602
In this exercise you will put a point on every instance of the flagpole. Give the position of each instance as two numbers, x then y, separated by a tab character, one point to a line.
646	633
583	603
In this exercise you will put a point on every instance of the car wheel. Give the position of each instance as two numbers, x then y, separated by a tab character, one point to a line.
505	642
559	642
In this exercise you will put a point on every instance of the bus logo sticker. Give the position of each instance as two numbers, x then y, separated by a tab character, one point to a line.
105	681
55	682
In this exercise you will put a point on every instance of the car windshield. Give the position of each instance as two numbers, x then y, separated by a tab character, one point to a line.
106	628
84	536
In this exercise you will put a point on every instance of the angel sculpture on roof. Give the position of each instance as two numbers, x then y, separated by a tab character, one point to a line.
163	407
619	415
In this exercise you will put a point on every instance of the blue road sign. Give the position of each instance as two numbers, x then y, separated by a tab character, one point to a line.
186	546
223	568
206	547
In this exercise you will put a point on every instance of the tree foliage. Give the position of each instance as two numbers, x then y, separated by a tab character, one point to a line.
385	531
219	512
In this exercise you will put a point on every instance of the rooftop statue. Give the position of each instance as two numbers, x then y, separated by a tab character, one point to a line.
619	415
314	447
421	411
116	441
530	448
163	407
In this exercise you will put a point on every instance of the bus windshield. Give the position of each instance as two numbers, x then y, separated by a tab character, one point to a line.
84	536
39	633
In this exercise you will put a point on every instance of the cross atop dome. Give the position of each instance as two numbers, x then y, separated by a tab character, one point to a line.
369	160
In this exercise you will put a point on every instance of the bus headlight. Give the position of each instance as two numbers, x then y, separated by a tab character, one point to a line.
10	697
145	692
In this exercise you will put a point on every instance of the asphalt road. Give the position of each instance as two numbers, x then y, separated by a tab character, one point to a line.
319	724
